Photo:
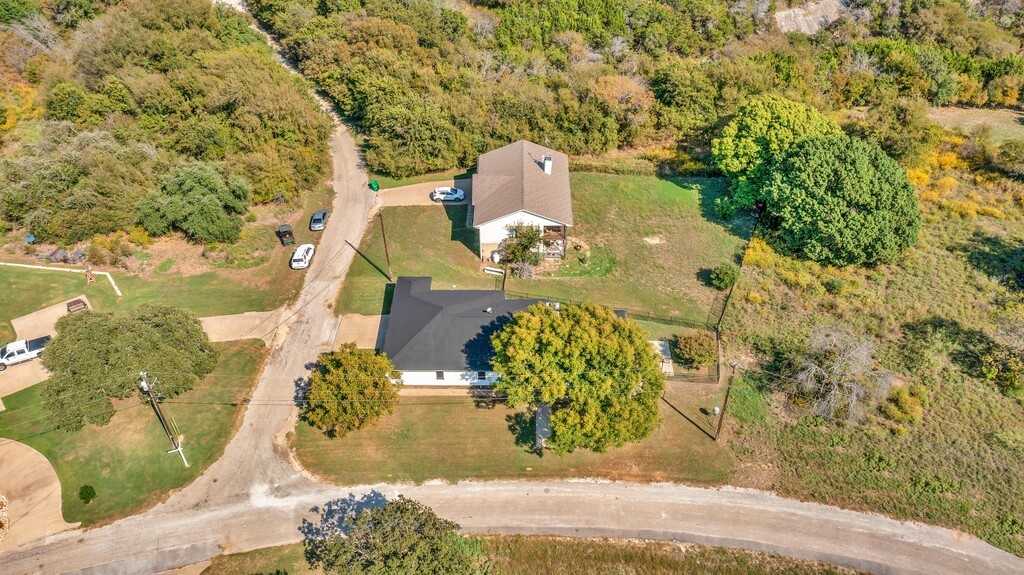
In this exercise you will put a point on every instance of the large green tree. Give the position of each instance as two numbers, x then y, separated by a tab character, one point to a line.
598	373
198	199
97	356
838	200
351	389
758	137
403	537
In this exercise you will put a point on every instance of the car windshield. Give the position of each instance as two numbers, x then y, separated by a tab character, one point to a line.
318	218
3	351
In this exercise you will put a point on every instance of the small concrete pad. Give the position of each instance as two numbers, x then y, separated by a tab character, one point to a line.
42	322
250	325
33	493
366	331
419	194
664	351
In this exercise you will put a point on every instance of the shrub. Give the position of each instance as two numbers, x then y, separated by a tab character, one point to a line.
1004	366
834	285
695	350
902	406
759	254
140	237
87	493
725	276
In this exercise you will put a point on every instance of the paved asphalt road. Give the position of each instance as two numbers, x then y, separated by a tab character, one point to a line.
253	497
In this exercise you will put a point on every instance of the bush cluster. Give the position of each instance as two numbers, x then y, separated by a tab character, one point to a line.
699	349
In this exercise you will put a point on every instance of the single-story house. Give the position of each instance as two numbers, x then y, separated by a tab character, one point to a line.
522	183
443	337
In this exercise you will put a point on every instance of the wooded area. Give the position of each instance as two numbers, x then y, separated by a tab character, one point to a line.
134	106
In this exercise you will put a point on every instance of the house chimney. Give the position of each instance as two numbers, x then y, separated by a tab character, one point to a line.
547	165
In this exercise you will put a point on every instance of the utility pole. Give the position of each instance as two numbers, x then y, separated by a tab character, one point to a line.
721	419
146	389
380	215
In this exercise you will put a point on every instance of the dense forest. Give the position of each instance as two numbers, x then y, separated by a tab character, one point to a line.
432	85
149	116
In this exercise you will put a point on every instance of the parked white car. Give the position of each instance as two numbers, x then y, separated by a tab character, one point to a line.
302	257
448	194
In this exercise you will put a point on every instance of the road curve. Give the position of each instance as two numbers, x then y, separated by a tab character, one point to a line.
252	497
727	517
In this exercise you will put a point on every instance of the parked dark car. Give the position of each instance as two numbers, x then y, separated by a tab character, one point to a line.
284	233
319	221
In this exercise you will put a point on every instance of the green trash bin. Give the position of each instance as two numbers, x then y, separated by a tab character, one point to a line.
374	185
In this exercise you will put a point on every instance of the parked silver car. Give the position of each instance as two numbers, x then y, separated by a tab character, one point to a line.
319	221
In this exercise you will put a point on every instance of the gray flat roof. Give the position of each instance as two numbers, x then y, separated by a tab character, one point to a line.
445	330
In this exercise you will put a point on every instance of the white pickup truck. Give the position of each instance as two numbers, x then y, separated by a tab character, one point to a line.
22	350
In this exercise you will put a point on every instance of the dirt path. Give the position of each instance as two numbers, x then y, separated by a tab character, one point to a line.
252	497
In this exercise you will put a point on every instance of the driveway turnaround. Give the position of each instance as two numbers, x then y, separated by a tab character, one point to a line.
419	194
251	325
366	331
33	492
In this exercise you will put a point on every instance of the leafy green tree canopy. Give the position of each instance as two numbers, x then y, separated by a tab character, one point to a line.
198	199
841	201
403	537
351	389
98	356
598	373
759	136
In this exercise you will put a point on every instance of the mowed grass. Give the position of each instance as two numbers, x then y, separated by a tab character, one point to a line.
28	290
1005	124
653	242
962	466
423	241
386	182
126	460
518	555
453	439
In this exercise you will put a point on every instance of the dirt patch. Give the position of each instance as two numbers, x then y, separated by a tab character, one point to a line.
1005	124
654	240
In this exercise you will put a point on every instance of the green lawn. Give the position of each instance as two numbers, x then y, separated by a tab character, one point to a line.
517	555
389	182
28	290
423	241
653	241
126	460
450	438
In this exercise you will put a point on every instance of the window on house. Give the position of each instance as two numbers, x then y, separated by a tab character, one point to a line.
481	375
439	375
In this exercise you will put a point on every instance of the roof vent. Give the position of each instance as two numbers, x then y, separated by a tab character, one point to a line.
489	310
547	165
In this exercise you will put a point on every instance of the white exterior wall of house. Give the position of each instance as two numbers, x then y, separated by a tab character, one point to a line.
451	379
493	232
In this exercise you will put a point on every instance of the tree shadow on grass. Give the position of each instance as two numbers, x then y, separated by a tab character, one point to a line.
741	224
523	427
997	257
461	232
966	345
332	520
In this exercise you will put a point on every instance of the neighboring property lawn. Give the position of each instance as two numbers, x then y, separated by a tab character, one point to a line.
1005	124
126	460
518	555
423	241
653	243
28	290
453	439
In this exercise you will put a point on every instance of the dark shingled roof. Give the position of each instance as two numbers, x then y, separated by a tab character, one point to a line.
512	178
445	330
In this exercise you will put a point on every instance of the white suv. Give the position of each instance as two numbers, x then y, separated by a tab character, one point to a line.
302	256
448	194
